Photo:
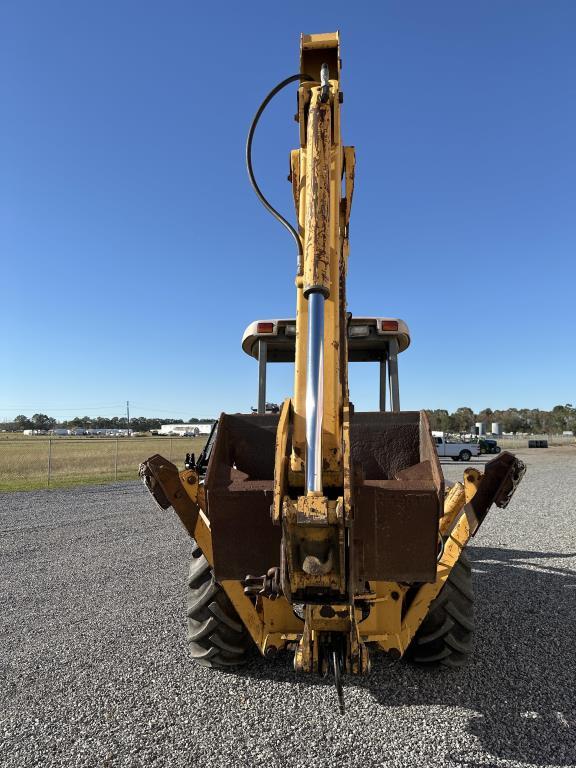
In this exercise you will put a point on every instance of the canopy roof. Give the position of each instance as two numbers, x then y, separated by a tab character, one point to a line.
368	338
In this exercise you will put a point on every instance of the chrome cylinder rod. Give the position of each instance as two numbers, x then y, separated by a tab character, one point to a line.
314	392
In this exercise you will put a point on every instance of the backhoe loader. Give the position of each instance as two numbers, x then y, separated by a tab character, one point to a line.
320	529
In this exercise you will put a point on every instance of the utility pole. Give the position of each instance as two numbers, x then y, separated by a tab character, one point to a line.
128	415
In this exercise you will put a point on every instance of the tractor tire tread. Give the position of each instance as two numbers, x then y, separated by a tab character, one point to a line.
463	620
461	581
440	632
198	567
433	658
202	630
199	600
445	637
235	650
224	618
460	646
216	637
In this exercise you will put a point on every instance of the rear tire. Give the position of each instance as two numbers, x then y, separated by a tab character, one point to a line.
445	637
216	636
465	456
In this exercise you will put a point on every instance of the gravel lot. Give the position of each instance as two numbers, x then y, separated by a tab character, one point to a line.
95	672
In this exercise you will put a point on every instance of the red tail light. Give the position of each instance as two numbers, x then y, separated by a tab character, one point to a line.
265	328
389	325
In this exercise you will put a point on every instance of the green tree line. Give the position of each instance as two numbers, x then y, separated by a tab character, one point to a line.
531	420
42	421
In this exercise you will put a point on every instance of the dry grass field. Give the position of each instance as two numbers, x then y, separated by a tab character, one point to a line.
24	461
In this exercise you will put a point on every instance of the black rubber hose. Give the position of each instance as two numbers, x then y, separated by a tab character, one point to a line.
250	169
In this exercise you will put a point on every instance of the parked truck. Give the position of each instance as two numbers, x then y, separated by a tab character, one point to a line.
447	445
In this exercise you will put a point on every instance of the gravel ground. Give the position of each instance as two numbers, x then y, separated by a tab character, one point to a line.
95	671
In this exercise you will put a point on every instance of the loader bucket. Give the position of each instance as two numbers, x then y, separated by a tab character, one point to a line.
398	495
239	485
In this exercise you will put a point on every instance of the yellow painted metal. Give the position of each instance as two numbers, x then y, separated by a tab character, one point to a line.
453	502
319	40
385	618
299	412
455	543
334	396
272	623
332	618
281	460
203	537
472	479
201	532
349	172
384	624
317	196
347	461
319	620
324	523
457	496
313	509
314	523
317	245
295	178
306	655
269	622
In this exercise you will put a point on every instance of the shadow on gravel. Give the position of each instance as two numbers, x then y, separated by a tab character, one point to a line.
519	686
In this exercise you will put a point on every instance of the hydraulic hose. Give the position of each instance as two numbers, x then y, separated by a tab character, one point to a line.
259	194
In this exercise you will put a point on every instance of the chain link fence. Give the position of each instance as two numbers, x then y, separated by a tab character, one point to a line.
41	462
44	462
509	442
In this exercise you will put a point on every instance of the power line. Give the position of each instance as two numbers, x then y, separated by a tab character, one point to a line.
83	409
157	410
59	408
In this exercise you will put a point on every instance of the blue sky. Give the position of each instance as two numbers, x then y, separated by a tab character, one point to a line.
134	252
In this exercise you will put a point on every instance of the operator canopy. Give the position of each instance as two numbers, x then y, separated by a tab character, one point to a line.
368	338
